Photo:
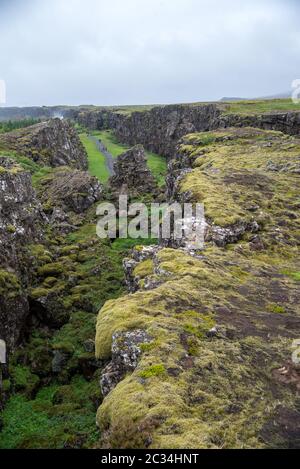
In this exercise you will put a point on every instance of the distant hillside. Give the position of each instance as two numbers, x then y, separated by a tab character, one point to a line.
285	95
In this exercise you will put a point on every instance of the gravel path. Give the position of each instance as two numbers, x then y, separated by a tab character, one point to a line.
108	156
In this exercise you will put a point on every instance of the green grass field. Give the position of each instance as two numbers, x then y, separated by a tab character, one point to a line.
156	163
97	165
257	106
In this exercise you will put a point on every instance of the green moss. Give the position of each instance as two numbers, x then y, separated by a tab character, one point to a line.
144	268
218	389
6	385
11	228
205	324
23	380
52	269
153	370
277	309
9	284
39	292
41	255
294	275
49	282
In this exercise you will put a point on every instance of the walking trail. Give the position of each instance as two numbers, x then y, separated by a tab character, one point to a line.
108	156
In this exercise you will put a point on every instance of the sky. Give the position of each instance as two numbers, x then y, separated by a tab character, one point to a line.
117	52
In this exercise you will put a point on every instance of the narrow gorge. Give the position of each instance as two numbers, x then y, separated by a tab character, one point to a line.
132	343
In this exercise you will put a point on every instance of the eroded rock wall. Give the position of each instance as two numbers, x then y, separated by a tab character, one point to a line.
53	143
21	223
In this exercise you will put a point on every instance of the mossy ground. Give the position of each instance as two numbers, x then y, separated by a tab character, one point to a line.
222	323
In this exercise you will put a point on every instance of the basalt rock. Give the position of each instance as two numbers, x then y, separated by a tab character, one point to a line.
71	190
21	222
52	143
132	173
287	122
126	350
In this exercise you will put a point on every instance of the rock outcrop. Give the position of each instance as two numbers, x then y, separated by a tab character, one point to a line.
52	143
70	190
21	223
132	173
126	350
287	122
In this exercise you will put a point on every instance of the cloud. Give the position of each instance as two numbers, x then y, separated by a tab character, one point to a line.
137	51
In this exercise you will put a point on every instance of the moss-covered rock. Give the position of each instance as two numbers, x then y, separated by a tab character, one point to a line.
222	321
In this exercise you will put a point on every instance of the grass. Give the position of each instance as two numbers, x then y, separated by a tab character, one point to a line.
59	417
257	106
109	140
158	167
128	110
156	163
97	164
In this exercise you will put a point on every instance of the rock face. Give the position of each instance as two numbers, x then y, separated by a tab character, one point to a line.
131	172
70	190
126	350
160	128
53	143
287	122
21	222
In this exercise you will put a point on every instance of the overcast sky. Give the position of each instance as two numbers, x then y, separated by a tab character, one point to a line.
146	51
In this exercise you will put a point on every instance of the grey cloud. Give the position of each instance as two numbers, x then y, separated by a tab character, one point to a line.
137	51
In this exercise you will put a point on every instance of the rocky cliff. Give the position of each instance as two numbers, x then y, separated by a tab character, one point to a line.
160	128
52	143
21	222
56	204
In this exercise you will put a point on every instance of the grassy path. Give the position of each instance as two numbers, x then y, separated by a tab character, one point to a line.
108	156
156	163
97	161
100	164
